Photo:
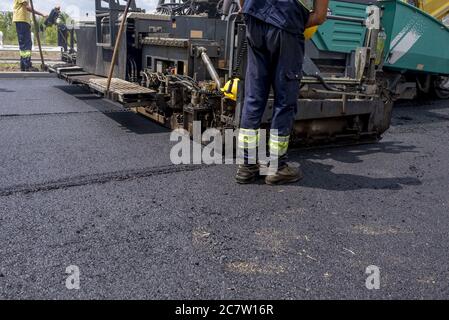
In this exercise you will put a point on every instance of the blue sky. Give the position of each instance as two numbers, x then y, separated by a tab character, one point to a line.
83	5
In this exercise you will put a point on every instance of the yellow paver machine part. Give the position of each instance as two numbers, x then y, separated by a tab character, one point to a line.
437	8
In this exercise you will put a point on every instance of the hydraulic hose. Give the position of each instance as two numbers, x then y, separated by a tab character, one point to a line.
210	67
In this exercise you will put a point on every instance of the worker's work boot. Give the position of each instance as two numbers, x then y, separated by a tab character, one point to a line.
247	173
285	174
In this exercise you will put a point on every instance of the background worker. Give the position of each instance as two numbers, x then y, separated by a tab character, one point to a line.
275	34
22	18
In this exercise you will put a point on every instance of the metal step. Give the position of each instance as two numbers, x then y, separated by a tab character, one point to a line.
122	91
66	75
81	79
65	69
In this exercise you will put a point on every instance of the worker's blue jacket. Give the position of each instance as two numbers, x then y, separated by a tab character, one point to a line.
288	15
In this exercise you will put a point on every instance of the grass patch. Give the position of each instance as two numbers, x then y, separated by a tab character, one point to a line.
8	67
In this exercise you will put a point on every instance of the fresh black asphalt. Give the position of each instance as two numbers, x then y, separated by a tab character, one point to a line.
85	183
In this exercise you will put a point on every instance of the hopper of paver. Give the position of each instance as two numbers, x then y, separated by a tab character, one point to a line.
415	41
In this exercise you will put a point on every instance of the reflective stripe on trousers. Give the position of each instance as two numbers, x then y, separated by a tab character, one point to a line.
25	53
248	141
278	145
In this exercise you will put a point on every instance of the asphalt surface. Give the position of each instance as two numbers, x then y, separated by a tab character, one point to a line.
82	182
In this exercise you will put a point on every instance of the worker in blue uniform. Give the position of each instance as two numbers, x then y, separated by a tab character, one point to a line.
22	18
275	34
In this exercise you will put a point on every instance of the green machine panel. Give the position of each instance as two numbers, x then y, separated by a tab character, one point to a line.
415	40
342	36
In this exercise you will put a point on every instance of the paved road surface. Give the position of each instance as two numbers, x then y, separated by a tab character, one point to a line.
84	183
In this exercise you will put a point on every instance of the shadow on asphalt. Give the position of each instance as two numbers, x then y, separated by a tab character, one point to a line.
355	153
422	103
6	90
128	120
317	175
420	112
320	176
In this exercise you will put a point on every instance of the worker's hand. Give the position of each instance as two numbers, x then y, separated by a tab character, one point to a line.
319	14
241	3
314	20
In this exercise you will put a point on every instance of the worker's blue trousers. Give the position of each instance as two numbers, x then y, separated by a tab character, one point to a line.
25	44
275	59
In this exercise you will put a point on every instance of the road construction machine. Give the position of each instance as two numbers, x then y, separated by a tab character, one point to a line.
186	62
414	44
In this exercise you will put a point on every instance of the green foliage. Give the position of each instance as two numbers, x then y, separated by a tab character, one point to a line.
50	36
8	28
